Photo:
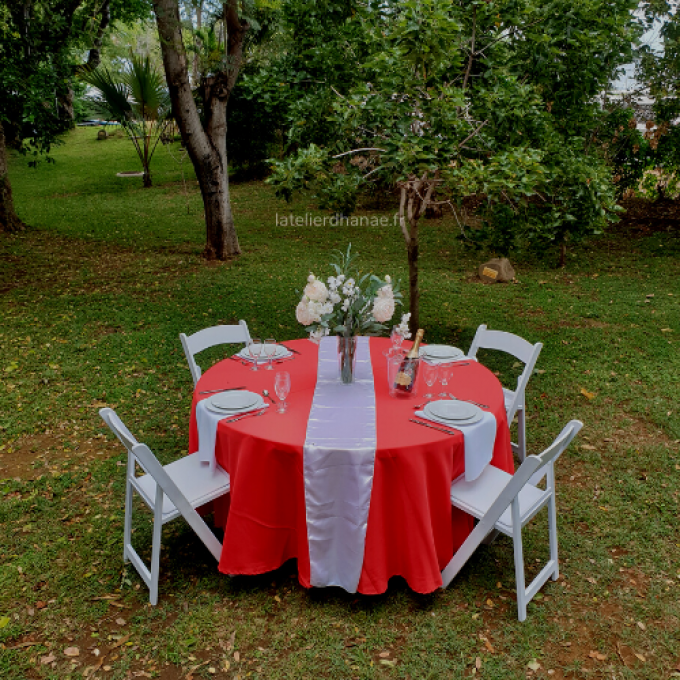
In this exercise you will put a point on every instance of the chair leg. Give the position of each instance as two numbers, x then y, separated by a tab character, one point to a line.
552	528
519	570
127	526
156	546
521	435
491	537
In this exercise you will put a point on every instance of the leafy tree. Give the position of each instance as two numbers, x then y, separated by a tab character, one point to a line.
203	124
40	43
659	71
493	99
138	100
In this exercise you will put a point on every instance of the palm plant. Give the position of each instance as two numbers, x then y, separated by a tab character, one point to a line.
137	99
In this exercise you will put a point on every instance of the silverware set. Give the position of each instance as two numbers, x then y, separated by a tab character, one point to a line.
448	394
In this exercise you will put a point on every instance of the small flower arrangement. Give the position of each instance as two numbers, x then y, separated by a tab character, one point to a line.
348	305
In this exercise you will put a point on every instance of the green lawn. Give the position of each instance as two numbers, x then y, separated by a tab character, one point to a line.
93	298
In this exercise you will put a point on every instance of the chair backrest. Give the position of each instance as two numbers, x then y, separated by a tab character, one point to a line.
110	417
514	345
150	464
210	337
527	470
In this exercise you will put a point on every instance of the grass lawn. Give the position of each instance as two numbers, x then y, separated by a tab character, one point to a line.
92	300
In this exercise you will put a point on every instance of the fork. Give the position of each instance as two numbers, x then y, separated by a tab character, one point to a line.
469	401
246	415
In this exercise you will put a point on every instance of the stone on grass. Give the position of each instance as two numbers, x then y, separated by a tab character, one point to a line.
496	270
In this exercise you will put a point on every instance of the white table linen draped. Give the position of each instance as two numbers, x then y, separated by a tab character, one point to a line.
339	457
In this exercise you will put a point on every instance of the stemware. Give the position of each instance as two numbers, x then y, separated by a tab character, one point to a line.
270	350
255	349
396	337
445	371
282	389
430	375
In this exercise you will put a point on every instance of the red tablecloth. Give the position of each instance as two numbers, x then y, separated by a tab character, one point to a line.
412	529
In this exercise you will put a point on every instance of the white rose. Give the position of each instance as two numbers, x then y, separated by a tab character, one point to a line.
316	291
335	298
302	313
311	278
346	304
385	292
388	278
383	309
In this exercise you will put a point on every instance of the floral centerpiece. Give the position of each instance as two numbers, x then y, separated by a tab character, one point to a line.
348	305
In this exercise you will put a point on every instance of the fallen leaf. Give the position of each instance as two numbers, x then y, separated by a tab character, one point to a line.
277	598
72	651
387	662
588	395
640	656
25	644
641	625
44	660
478	663
488	645
237	657
597	655
121	642
120	622
533	665
489	603
4	620
588	447
383	655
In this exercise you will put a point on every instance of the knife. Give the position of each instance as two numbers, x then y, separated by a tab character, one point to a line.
290	349
245	415
223	389
434	427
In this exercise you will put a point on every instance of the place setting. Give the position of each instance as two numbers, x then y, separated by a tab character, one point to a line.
443	354
258	353
477	426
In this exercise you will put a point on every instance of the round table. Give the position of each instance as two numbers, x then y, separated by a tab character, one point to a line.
412	529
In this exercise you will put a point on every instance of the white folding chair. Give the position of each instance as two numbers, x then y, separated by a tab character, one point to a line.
514	400
506	503
209	337
169	491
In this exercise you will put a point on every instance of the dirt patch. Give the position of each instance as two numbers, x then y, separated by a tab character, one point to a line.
32	456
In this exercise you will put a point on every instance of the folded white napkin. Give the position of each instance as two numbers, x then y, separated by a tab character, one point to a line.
206	422
479	441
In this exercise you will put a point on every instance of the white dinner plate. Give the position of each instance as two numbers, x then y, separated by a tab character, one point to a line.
236	400
458	411
279	353
441	352
258	404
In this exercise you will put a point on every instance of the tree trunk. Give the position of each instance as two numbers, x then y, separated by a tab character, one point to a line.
94	57
563	254
206	146
9	220
414	292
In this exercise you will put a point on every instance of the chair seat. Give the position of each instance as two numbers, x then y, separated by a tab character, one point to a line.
478	496
198	482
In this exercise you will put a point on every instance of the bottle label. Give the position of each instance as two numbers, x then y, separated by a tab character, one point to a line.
403	379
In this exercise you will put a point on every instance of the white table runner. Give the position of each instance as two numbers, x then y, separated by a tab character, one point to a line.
339	456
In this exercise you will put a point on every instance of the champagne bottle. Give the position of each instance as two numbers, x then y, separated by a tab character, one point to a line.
408	371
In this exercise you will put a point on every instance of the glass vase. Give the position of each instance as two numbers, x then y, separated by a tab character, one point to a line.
347	356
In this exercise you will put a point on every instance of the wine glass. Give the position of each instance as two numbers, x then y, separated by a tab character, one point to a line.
430	374
282	388
396	337
270	351
255	349
445	372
